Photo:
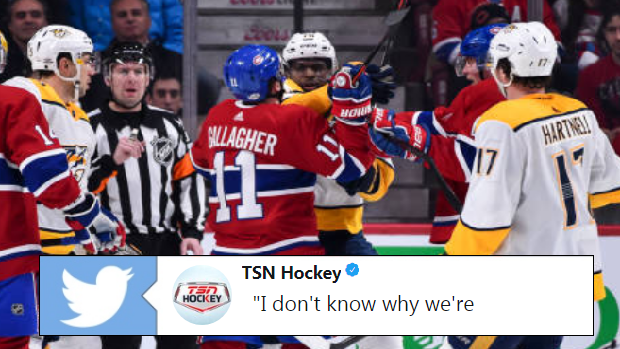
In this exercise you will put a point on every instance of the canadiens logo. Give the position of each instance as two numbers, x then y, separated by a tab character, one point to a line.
258	59
163	149
202	296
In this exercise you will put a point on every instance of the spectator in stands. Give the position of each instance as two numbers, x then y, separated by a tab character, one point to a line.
452	20
599	83
165	93
467	62
25	18
579	21
131	22
487	14
93	16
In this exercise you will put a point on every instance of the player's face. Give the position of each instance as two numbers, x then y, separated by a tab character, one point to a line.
128	82
612	35
25	19
86	72
470	70
309	74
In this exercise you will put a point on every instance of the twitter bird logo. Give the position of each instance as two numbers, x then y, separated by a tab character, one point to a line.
96	303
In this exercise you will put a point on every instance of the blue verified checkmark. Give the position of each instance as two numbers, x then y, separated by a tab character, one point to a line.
352	269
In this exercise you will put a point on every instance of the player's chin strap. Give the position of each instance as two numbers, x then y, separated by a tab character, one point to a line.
502	87
75	79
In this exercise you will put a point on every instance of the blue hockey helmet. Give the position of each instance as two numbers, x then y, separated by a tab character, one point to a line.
476	45
249	71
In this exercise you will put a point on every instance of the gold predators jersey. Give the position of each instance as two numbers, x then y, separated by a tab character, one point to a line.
334	208
71	126
542	161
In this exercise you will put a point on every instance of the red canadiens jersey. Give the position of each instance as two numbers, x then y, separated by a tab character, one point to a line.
452	18
33	168
262	162
453	147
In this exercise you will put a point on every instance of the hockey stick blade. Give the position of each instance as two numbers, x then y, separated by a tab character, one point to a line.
453	200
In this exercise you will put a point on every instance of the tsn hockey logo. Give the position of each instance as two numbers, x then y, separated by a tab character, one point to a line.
202	297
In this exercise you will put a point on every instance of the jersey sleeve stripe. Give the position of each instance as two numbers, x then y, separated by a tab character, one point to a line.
466	153
45	185
10	175
42	170
605	198
599	286
41	155
351	168
19	251
466	240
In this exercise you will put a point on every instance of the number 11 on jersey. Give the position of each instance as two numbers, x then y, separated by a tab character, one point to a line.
245	162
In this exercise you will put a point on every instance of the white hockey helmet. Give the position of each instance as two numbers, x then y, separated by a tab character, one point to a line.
4	52
310	45
49	42
530	48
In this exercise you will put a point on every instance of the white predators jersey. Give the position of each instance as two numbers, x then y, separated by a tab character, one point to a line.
71	126
541	161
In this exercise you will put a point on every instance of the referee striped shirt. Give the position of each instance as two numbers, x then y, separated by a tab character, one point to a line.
154	193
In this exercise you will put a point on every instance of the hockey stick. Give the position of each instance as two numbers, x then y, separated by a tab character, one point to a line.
392	20
453	200
318	342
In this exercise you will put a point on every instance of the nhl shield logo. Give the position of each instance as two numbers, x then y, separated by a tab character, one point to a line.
17	309
163	149
202	296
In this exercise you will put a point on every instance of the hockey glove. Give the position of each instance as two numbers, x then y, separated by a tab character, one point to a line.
382	79
351	101
82	212
389	137
108	233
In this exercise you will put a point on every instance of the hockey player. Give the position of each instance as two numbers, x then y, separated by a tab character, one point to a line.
561	138
33	168
262	158
452	141
60	57
309	60
570	164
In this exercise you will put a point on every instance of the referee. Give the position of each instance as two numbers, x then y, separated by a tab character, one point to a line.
143	173
155	192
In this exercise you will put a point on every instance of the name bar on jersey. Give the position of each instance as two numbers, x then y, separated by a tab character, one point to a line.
243	138
568	127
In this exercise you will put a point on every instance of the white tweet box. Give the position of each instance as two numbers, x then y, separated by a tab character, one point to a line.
452	295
